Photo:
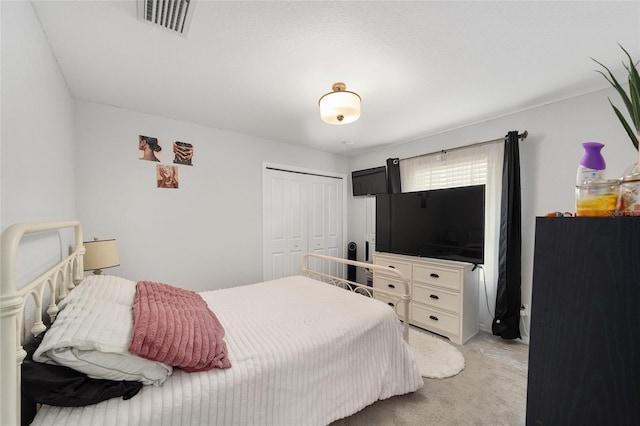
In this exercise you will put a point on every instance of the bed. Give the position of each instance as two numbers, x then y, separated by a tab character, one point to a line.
299	351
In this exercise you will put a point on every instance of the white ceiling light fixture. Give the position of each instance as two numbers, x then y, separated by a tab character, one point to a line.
340	106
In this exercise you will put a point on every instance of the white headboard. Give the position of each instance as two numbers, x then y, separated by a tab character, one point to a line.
58	280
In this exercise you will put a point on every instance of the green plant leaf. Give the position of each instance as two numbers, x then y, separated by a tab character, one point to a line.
612	80
631	100
634	93
634	89
626	126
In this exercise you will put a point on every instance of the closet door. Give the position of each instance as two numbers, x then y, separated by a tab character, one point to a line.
325	220
301	213
285	223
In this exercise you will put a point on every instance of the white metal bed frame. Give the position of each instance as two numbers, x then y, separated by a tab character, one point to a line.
63	277
400	300
59	280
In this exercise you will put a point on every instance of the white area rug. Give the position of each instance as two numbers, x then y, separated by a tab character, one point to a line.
436	358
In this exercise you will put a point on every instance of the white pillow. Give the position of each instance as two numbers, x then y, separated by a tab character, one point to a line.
92	333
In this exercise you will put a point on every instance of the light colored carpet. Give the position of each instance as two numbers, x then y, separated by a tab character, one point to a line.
436	358
491	390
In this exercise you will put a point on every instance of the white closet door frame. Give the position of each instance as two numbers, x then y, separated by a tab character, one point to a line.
370	226
294	169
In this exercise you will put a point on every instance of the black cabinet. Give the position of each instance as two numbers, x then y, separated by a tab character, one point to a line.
584	354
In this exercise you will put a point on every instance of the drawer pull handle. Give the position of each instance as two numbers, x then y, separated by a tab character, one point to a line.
434	275
392	267
391	286
391	304
433	296
433	317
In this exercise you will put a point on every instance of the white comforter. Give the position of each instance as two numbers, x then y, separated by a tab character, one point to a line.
302	353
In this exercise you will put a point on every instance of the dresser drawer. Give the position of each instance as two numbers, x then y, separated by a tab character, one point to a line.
394	286
427	274
394	303
435	320
401	266
441	299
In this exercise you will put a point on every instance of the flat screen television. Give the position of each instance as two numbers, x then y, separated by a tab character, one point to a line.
369	181
441	223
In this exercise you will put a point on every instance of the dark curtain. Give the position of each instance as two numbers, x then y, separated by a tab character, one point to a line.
506	323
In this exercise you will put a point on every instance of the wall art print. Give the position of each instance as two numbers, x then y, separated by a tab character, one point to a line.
183	153
149	148
167	176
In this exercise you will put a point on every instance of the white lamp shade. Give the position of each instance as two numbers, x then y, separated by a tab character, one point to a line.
340	107
100	254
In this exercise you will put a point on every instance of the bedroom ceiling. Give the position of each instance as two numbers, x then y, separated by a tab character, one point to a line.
259	68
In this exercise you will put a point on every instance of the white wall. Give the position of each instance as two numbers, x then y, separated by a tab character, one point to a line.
549	158
37	150
206	234
37	123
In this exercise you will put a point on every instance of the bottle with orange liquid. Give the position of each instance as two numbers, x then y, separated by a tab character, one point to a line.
595	196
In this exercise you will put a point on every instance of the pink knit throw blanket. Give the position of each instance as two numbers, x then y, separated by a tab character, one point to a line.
175	326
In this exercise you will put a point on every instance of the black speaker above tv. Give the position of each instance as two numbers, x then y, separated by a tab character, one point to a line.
440	223
369	181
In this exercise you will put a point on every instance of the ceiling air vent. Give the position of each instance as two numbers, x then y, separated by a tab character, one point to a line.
174	15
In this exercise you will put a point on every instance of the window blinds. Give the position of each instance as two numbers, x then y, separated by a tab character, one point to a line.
451	173
445	170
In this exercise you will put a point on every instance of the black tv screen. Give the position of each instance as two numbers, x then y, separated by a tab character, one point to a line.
369	181
441	223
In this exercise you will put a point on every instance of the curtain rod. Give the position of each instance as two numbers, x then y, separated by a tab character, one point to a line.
522	135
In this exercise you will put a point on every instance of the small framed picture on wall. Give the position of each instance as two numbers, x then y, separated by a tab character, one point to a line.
167	176
149	148
183	153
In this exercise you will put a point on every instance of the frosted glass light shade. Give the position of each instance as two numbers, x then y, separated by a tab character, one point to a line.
340	106
100	254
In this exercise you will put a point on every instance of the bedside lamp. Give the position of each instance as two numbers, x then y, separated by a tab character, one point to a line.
100	254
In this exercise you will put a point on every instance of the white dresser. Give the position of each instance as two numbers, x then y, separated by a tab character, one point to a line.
444	293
